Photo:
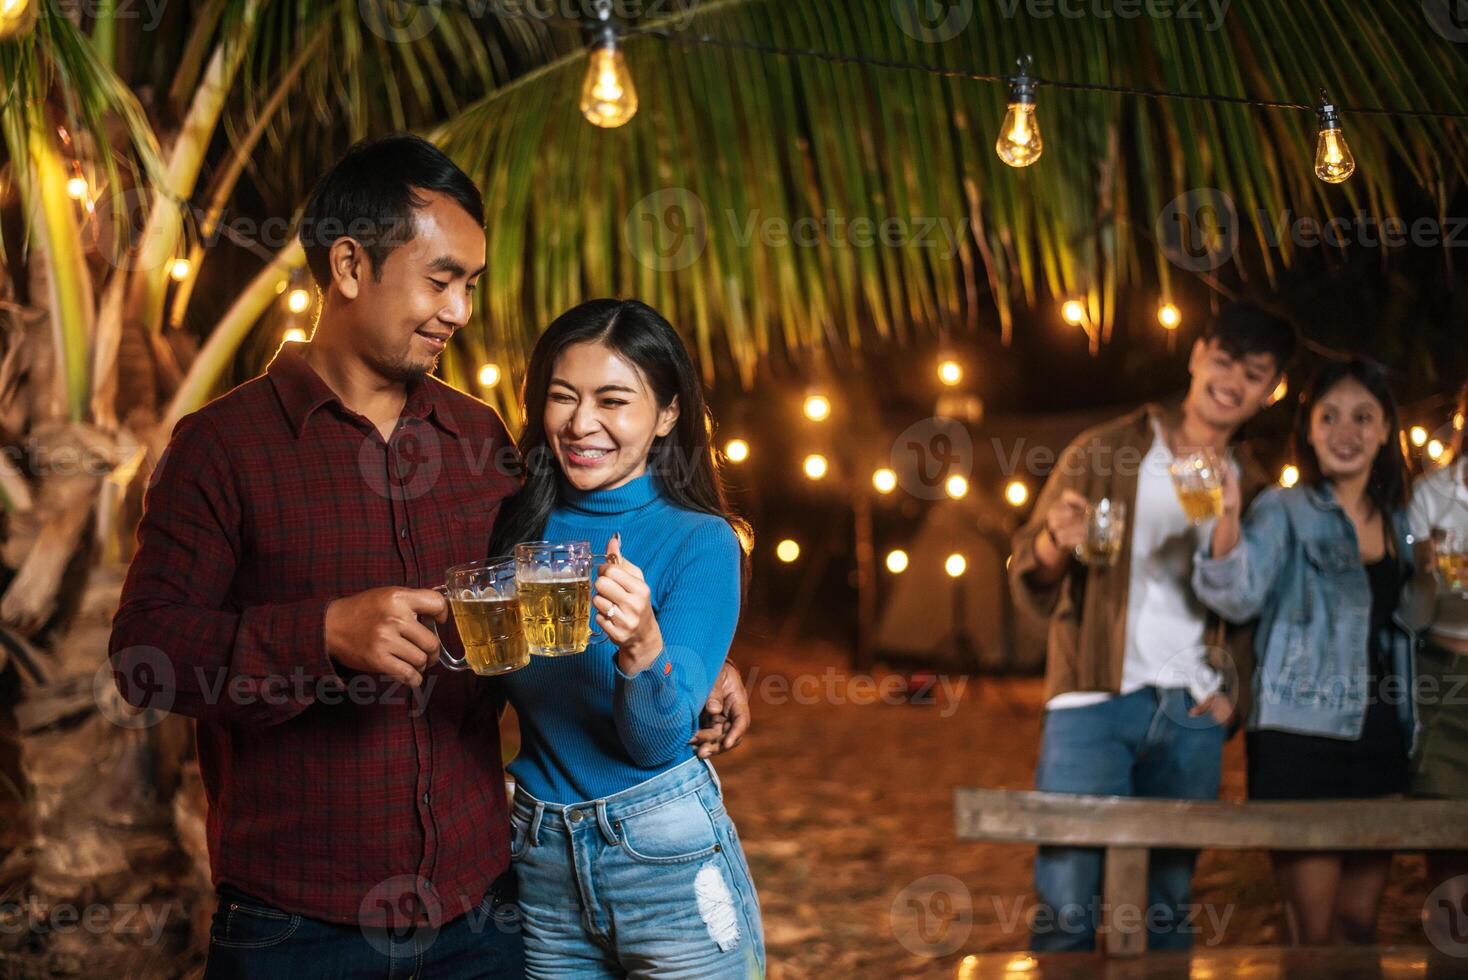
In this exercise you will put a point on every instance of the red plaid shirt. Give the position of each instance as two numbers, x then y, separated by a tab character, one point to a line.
337	795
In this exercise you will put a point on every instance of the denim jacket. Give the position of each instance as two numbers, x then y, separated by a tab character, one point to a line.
1298	570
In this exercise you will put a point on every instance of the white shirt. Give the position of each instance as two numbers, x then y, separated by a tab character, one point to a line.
1165	621
1440	501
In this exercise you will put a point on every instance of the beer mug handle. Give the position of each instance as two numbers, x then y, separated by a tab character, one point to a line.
444	656
597	561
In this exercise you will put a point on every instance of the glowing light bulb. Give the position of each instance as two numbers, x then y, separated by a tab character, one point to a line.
16	17
295	335
1289	476
76	188
787	551
736	450
955	565
956	486
885	480
1169	316
1418	436
1435	450
179	270
817	408
608	97
897	561
489	375
1333	160
298	300
950	372
1016	493
1280	390
1020	143
1073	312
815	467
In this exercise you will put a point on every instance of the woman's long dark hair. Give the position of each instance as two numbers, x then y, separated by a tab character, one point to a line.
683	460
1387	486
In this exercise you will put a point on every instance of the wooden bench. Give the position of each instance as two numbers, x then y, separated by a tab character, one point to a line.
1127	827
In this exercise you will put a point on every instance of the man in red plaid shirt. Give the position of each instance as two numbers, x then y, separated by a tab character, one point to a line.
292	537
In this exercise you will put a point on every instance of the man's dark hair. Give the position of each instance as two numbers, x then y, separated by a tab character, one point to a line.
1241	329
370	194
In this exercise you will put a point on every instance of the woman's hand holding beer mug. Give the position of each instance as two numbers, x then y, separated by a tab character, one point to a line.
377	632
624	611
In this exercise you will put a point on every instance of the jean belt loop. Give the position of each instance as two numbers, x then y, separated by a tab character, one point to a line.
535	818
605	824
714	774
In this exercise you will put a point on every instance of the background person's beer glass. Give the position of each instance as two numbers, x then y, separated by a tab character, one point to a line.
1105	528
554	582
1198	478
1451	545
486	608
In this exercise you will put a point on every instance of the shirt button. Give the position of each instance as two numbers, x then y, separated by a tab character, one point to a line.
425	799
403	531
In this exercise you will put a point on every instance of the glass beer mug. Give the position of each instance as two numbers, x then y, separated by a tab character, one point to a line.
486	610
554	583
1198	479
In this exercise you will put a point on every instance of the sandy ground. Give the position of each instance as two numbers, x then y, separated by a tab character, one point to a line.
845	807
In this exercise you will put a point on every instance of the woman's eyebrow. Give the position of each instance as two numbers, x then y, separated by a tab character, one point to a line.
615	387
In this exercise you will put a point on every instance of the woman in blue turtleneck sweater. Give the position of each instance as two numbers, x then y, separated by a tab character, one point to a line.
627	862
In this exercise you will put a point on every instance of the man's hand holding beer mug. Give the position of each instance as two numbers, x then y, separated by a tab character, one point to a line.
378	631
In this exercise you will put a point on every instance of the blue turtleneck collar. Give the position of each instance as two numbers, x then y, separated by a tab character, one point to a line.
632	495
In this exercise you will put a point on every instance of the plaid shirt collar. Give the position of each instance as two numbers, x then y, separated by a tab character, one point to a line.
302	391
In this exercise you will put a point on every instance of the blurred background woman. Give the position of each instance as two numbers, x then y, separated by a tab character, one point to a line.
1322	566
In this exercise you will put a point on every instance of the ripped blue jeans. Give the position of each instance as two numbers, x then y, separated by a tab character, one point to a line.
648	881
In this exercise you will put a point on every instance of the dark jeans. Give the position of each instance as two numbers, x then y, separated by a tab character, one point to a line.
1139	744
250	940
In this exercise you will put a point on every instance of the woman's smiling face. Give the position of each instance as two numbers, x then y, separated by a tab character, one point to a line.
601	417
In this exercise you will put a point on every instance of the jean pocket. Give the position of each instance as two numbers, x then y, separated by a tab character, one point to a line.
675	832
249	925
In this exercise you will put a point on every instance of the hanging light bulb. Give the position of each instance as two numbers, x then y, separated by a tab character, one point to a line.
1016	493
1019	143
817	408
1289	476
298	300
1418	435
885	480
489	375
897	561
736	450
16	17
179	269
608	97
957	486
295	335
787	550
955	565
1169	316
1333	160
815	467
76	188
1073	312
950	372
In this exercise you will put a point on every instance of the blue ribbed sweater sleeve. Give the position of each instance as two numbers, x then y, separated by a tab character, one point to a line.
657	709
